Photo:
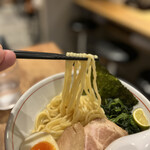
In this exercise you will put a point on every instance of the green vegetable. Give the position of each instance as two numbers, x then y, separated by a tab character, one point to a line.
110	87
120	114
126	122
114	107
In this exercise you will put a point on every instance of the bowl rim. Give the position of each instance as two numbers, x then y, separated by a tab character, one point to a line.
43	82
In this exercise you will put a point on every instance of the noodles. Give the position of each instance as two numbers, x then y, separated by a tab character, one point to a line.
78	102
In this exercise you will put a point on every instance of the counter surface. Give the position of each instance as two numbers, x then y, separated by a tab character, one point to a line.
132	18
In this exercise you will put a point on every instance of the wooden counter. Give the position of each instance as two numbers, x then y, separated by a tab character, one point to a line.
32	71
132	18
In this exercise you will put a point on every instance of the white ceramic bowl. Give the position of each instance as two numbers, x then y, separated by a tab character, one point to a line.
21	120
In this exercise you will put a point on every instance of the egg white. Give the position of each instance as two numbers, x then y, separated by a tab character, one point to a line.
35	138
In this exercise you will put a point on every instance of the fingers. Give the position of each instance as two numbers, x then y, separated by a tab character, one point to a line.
7	58
1	54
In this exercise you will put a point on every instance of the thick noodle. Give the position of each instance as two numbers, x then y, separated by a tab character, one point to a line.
78	102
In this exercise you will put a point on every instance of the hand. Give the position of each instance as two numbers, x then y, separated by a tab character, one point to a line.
7	58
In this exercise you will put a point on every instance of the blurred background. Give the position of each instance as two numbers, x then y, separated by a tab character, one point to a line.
116	30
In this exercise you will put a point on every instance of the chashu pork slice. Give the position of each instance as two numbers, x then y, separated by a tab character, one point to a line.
73	138
100	133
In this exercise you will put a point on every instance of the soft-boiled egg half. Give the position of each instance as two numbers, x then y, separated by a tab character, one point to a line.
39	141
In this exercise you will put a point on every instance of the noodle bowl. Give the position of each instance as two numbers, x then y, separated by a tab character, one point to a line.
22	118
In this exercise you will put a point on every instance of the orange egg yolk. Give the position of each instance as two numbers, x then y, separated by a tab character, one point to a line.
43	146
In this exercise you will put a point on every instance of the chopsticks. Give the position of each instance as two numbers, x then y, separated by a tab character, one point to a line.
44	55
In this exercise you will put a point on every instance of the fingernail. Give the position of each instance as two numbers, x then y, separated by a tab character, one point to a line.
1	46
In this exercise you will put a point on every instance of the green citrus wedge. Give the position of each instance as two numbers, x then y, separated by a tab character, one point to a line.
140	118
